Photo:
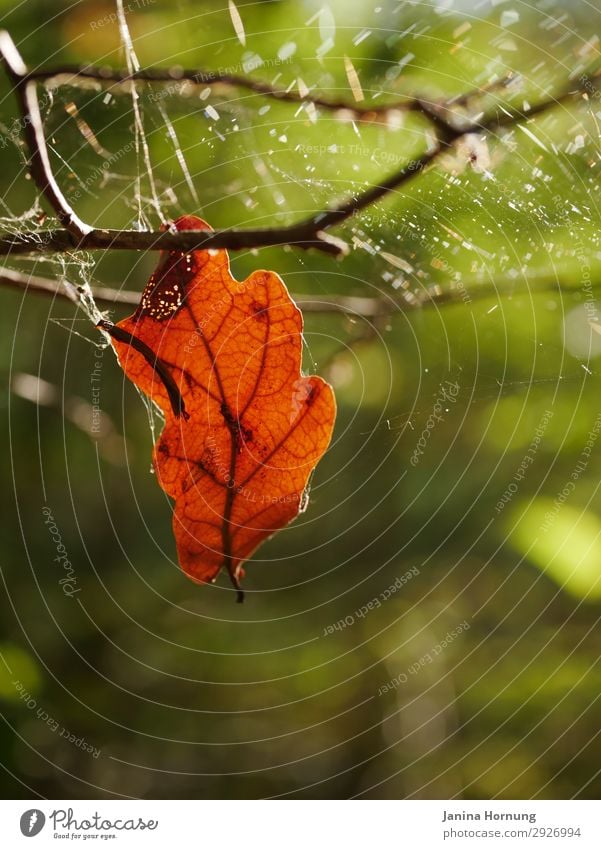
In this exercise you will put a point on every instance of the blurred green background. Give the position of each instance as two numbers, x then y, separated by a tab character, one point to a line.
143	684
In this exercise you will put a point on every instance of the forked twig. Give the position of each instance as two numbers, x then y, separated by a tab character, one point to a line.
310	233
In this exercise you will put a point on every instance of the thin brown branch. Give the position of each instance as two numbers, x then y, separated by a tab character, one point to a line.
33	284
199	76
306	235
360	306
448	128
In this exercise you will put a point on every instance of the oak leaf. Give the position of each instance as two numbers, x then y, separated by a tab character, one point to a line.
244	428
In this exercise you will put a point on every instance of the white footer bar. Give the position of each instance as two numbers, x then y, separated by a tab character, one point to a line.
302	824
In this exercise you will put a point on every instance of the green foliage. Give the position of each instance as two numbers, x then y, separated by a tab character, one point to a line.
563	542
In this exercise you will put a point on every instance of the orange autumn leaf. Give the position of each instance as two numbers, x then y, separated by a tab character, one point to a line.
243	428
